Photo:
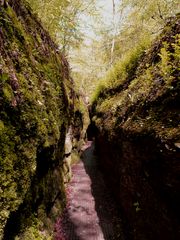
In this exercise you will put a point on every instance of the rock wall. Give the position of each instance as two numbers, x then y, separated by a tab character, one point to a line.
76	131
138	140
74	140
34	116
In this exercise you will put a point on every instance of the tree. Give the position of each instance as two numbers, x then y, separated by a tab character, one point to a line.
114	31
88	66
141	21
62	19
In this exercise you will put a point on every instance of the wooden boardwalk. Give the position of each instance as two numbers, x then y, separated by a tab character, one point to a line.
91	213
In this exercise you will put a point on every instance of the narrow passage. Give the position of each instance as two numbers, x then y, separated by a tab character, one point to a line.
91	212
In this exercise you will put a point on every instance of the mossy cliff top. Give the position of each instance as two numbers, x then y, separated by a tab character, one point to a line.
33	113
141	93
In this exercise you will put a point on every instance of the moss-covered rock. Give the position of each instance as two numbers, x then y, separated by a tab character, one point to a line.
138	137
33	120
76	134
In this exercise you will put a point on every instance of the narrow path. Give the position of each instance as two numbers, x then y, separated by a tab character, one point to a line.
91	213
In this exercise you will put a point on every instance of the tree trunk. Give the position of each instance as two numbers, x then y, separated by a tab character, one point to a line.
114	26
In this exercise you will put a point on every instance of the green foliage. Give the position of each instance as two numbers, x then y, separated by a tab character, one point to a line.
167	66
34	232
140	22
62	19
120	74
138	105
99	89
150	16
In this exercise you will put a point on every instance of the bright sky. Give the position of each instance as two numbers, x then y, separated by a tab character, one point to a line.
106	10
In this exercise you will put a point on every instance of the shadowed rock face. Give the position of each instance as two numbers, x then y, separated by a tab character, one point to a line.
138	141
145	184
33	120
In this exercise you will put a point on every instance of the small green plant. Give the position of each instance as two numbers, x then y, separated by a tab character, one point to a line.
33	232
165	64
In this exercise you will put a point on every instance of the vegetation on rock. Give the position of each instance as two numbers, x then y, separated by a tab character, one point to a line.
44	112
34	116
136	111
140	81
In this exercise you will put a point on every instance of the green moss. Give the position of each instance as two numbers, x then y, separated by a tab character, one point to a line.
33	118
1	126
120	74
145	102
8	93
34	231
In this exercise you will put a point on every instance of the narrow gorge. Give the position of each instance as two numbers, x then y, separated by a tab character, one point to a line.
120	152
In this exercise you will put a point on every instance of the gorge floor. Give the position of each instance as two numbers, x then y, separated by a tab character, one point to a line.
91	212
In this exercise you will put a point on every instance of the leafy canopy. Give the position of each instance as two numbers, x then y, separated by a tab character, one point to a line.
62	18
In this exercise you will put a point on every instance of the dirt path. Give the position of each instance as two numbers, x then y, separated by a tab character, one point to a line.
91	212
